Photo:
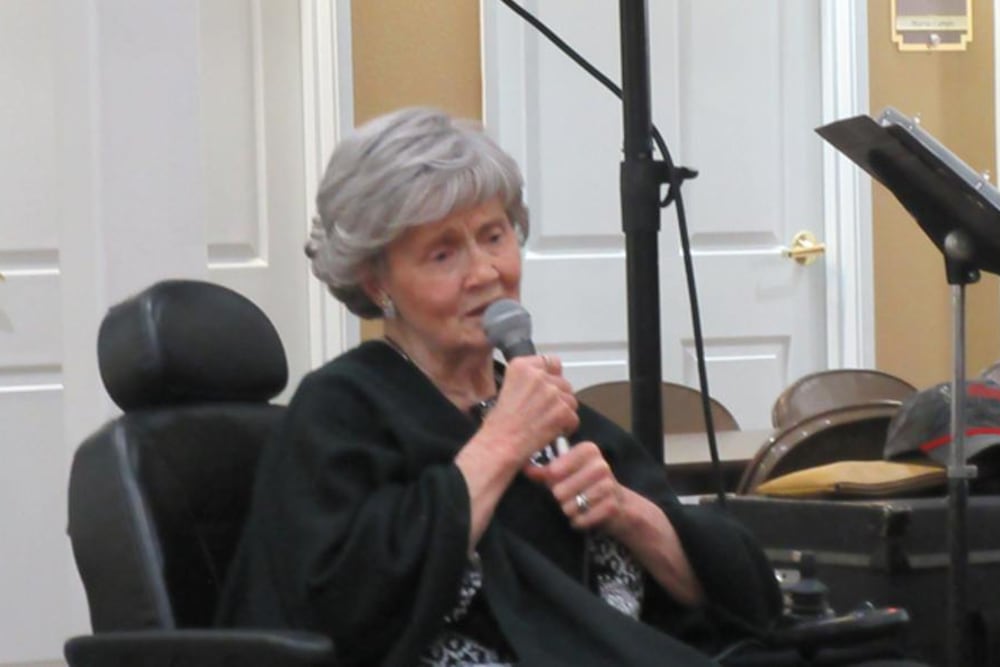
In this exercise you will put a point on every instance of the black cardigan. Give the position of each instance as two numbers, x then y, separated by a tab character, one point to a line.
360	521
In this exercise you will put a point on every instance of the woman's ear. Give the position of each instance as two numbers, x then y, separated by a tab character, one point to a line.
372	284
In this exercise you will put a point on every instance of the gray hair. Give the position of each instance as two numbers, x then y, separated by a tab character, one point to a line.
406	168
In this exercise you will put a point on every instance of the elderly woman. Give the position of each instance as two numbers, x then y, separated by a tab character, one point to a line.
398	511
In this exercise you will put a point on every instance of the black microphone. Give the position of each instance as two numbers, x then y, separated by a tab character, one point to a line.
508	327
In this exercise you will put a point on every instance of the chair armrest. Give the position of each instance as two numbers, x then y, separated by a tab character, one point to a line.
200	648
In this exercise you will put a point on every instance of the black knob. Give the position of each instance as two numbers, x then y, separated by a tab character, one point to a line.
807	597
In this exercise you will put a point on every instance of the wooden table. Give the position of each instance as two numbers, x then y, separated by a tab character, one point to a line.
689	464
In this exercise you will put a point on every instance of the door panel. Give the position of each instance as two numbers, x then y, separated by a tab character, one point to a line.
32	477
736	95
253	158
34	551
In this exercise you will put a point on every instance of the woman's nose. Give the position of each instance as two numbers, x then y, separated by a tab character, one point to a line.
483	267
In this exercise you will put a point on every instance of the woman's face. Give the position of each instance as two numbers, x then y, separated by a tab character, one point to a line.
442	275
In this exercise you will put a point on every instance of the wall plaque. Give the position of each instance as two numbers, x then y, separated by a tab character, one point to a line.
932	25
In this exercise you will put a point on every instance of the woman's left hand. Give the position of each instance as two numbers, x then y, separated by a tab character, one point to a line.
585	487
582	482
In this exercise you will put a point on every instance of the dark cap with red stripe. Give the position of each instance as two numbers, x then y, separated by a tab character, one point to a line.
923	423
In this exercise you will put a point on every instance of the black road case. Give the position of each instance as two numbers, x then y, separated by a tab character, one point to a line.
890	553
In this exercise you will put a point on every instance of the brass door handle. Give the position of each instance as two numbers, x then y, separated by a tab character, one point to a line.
805	248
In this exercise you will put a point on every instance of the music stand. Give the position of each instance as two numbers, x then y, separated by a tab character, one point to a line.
960	211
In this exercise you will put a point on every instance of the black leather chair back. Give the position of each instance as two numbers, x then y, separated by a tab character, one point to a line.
158	497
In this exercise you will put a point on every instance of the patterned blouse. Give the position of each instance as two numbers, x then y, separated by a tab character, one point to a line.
616	575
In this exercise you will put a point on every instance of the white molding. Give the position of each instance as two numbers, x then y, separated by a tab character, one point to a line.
504	87
847	191
263	253
328	102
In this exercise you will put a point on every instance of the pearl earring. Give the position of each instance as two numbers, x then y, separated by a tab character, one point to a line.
388	307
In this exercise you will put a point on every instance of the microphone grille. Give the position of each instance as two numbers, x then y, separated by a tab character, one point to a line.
506	323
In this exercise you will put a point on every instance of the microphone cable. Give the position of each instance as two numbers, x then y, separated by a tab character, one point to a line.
677	177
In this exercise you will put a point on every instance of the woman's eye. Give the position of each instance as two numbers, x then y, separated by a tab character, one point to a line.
439	256
496	236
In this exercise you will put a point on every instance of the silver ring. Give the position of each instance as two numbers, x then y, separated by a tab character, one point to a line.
582	502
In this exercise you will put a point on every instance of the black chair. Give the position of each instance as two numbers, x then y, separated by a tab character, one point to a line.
158	496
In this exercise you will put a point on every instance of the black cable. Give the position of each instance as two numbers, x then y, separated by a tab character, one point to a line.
677	177
699	350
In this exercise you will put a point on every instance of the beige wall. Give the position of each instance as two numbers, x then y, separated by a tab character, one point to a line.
953	93
423	52
419	52
427	52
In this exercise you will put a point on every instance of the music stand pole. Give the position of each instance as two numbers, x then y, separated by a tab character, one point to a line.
641	177
959	210
958	251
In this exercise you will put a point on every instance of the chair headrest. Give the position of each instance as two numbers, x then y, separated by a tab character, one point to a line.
188	341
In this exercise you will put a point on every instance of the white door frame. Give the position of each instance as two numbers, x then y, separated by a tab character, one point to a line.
847	210
847	190
328	104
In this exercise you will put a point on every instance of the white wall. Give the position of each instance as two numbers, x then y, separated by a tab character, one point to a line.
139	140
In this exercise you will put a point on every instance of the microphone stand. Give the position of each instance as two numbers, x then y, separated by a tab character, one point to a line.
641	178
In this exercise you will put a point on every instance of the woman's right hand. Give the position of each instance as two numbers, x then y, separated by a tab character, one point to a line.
535	406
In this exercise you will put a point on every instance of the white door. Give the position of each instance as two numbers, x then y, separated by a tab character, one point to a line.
736	94
140	141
